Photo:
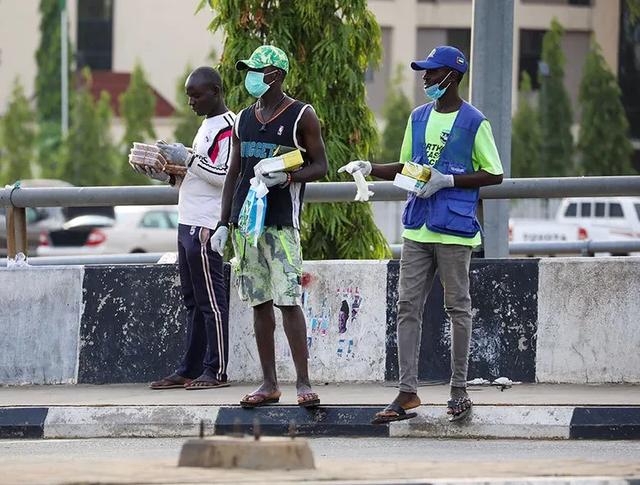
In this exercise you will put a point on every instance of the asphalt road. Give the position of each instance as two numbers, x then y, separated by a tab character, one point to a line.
338	460
362	449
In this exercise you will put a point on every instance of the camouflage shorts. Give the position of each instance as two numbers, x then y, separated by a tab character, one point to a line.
270	271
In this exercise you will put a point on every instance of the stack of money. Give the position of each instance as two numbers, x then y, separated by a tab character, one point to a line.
147	156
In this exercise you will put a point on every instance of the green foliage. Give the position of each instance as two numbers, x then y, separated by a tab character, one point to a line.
17	138
48	86
604	144
554	108
634	10
187	122
525	135
137	107
88	155
396	111
330	43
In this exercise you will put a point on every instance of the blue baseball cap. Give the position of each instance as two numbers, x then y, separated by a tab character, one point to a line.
443	56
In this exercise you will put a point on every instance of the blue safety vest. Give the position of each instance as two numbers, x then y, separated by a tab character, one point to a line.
451	210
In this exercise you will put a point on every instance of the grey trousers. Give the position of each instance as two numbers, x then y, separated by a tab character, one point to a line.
418	266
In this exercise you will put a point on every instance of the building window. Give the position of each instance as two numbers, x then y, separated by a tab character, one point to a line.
460	38
530	53
95	34
629	67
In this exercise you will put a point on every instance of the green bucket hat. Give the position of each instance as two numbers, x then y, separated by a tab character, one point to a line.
263	56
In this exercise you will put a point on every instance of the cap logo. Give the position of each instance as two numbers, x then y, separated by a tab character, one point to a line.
460	61
431	54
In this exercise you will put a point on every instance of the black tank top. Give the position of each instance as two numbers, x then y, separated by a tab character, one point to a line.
283	204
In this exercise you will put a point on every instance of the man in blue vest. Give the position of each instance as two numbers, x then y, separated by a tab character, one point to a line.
441	228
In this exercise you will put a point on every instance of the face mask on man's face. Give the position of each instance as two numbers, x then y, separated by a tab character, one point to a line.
434	91
255	85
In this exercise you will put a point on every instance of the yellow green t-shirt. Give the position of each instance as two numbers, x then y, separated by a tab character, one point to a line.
484	157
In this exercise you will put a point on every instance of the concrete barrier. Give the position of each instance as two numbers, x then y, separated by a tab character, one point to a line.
589	320
553	320
345	307
40	313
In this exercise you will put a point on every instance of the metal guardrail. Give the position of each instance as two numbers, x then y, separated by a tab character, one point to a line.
136	258
17	199
321	192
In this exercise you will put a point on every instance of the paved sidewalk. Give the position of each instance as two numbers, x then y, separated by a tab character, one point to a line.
332	394
523	411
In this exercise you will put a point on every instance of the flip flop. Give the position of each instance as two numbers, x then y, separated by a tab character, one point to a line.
174	381
459	409
205	383
263	399
400	414
308	400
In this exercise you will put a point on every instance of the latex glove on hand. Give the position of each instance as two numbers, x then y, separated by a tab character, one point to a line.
272	179
436	182
219	239
175	153
361	166
161	176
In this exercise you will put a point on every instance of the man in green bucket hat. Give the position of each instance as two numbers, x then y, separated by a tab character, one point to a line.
270	273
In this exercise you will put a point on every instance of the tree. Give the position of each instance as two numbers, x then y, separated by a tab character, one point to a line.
137	107
88	154
330	43
187	122
554	108
634	10
48	86
396	111
525	135
603	144
17	136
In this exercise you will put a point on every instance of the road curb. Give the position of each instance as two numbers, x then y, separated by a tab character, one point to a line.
529	422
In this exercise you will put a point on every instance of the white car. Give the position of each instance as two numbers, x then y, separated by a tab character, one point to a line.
135	229
604	218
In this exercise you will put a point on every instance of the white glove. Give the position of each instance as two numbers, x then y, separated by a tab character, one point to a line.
272	179
436	182
361	166
174	152
219	239
257	169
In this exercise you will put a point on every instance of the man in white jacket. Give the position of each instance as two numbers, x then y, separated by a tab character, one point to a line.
204	365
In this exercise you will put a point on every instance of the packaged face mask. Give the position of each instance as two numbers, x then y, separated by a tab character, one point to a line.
407	183
417	171
253	212
285	162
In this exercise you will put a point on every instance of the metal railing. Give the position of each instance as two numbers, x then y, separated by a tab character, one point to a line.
17	199
133	258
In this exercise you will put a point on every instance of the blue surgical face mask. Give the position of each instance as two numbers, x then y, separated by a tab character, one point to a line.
255	85
435	91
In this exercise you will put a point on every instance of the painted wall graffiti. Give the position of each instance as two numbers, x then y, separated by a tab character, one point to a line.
321	321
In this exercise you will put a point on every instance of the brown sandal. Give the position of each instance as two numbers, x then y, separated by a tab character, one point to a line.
174	381
258	398
308	400
205	382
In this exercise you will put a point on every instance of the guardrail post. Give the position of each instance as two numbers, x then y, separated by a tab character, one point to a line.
20	222
16	231
11	233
